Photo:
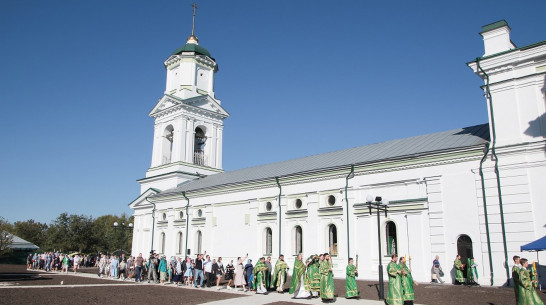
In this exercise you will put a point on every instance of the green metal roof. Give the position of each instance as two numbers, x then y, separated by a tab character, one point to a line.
494	25
190	47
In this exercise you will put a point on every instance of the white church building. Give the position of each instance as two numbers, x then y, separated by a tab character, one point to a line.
477	190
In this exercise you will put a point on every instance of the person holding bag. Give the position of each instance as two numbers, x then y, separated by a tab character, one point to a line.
437	271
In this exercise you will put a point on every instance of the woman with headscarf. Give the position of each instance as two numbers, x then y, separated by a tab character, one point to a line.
249	276
240	274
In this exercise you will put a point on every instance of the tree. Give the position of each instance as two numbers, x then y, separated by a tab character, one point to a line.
34	232
5	237
71	233
109	239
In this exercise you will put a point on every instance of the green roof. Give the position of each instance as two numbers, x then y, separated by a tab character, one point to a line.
190	47
494	25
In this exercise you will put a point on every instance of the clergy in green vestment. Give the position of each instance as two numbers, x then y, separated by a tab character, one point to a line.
300	283
279	274
394	293
259	276
314	275
408	295
471	272
515	277
534	281
459	267
268	272
351	289
528	294
326	279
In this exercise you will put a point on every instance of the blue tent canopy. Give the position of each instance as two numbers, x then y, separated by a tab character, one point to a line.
537	245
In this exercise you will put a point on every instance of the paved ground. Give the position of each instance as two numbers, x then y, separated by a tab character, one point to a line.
19	286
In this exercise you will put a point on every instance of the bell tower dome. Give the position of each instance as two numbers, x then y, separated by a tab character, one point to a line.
188	120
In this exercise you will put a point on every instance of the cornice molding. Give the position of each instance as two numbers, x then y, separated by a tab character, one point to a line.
188	106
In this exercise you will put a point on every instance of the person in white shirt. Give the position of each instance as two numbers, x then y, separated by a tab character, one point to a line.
77	261
178	271
207	266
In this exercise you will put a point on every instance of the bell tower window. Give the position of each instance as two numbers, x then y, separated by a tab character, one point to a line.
168	135
199	157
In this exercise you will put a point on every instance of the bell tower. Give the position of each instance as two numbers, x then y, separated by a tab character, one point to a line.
188	120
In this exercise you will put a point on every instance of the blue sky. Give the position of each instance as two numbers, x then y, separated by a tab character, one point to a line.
78	79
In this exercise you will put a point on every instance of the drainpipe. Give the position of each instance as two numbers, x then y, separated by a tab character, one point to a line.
486	151
187	222
349	176
279	201
153	224
497	174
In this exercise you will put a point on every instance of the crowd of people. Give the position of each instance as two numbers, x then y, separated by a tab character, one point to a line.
311	278
57	261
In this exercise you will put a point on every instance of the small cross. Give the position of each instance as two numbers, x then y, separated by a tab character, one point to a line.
193	24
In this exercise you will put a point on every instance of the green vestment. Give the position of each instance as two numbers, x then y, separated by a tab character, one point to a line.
314	276
459	276
527	295
279	275
515	277
259	275
394	294
326	281
407	284
533	275
469	275
299	270
351	289
267	277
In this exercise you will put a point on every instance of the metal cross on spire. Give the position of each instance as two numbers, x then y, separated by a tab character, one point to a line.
193	24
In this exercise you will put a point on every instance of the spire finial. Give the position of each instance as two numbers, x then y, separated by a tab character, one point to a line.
193	24
192	39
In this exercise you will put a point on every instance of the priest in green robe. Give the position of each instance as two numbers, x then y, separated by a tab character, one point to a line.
279	274
528	294
300	283
268	272
259	276
351	289
394	293
408	294
314	275
326	279
472	272
459	267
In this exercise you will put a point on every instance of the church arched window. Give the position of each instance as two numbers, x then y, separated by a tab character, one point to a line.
392	242
332	239
199	241
162	243
199	146
168	135
268	241
298	240
180	243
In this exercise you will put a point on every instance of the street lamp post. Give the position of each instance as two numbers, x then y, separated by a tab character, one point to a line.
123	228
380	205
